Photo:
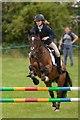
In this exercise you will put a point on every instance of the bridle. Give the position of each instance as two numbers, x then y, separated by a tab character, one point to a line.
36	49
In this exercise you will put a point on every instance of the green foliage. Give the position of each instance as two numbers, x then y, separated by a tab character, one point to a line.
18	18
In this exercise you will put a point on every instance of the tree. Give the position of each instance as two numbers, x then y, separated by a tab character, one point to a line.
18	18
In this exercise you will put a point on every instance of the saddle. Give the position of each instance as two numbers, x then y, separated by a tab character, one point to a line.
53	56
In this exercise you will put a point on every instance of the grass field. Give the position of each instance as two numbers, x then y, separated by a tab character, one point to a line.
14	73
0	82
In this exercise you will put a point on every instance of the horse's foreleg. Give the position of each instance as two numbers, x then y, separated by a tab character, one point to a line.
32	75
44	72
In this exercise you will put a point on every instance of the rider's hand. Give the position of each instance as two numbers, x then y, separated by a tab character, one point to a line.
45	38
71	42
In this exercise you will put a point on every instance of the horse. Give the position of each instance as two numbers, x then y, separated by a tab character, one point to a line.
41	65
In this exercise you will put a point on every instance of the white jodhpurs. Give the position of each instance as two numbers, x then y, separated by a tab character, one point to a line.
54	47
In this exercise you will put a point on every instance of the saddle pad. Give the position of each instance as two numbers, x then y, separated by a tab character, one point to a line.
53	58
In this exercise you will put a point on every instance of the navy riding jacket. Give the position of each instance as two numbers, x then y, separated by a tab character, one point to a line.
44	32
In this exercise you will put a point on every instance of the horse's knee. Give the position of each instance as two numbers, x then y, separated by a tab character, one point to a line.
44	70
30	67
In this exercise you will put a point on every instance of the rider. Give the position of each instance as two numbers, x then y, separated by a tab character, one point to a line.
46	35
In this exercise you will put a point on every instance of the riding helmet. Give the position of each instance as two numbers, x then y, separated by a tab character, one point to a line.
39	17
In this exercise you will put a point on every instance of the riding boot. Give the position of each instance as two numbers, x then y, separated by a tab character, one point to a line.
59	65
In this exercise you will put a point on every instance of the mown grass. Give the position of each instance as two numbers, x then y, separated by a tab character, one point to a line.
0	82
15	69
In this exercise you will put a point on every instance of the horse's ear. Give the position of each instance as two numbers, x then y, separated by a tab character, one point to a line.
28	34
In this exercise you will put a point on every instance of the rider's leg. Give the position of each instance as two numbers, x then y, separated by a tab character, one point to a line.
53	46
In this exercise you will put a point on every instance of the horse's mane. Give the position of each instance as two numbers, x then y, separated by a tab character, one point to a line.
45	46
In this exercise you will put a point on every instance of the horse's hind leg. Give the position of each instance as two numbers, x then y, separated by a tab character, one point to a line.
53	103
48	84
61	82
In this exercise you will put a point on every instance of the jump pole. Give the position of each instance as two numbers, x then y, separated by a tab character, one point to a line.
3	100
39	88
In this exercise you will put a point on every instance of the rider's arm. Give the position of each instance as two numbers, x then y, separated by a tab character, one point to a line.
51	34
75	38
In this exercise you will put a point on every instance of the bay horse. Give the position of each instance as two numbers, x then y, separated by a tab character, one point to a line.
41	65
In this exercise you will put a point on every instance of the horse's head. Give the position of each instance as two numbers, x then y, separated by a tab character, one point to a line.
34	40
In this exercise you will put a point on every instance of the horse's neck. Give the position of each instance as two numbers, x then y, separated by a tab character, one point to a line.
44	48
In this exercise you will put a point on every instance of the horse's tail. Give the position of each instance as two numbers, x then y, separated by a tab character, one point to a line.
68	83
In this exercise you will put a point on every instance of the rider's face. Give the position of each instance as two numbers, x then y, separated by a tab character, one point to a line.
67	30
39	23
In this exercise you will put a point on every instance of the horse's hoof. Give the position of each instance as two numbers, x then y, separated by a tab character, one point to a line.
54	106
56	110
35	81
